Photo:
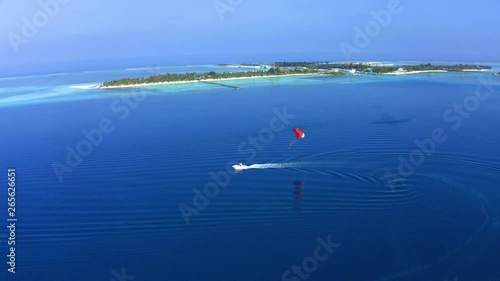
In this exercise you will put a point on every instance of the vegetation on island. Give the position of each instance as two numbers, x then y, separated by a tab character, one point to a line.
193	76
288	68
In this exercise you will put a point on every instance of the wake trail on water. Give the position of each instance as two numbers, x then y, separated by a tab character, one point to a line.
282	165
333	169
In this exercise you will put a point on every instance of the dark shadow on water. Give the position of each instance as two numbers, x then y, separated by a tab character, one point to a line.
390	120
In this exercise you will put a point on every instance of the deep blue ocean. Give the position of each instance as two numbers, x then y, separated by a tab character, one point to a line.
397	178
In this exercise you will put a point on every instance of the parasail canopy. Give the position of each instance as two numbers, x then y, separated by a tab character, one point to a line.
299	133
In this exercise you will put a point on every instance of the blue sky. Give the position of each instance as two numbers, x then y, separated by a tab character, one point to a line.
103	33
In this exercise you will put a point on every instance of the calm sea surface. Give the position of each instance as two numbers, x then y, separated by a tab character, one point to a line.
392	182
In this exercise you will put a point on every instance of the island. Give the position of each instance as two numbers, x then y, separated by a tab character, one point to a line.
280	69
210	77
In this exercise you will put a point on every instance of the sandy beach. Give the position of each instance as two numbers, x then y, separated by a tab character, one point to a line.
207	80
432	71
413	72
476	70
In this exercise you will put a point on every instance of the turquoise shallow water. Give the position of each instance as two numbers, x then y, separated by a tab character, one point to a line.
119	207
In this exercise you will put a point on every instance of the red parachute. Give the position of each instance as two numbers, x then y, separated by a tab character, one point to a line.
298	133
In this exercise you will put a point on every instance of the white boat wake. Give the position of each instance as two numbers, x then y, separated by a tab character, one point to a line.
272	166
275	165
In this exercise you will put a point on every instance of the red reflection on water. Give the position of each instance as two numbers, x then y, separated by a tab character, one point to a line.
298	194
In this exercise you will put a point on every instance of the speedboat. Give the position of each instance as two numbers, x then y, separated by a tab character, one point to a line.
240	167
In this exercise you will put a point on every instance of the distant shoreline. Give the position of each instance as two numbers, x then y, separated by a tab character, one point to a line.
207	80
287	69
396	73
